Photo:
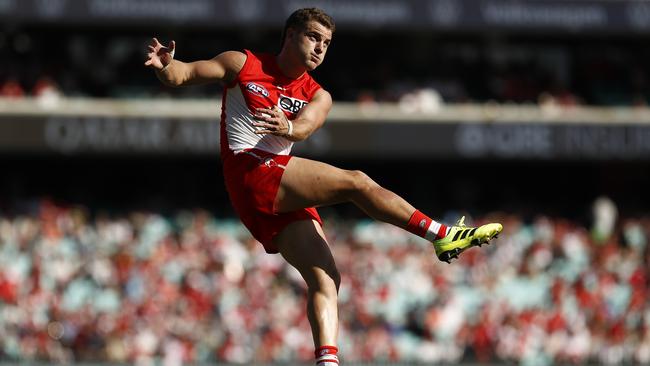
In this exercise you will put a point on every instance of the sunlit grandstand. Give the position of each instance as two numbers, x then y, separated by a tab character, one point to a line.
119	243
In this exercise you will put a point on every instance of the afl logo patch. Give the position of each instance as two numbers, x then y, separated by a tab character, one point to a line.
291	105
257	89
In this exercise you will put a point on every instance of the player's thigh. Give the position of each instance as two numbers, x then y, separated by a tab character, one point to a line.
303	244
310	183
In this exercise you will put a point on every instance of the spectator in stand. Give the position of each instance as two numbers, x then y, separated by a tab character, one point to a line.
11	88
140	287
46	87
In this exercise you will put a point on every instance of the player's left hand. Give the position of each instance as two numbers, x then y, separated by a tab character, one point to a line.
271	121
160	56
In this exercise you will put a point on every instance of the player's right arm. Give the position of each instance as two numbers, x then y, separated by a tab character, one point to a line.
222	68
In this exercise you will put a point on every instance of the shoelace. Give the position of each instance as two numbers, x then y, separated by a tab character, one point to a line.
461	222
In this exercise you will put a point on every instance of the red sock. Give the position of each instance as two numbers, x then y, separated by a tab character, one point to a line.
423	226
326	356
419	223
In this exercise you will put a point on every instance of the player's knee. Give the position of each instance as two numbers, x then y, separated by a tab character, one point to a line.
361	182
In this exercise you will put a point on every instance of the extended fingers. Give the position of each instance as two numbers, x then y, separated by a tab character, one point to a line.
265	114
265	128
268	121
266	110
274	111
150	58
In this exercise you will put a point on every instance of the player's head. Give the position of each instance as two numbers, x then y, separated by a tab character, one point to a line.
308	33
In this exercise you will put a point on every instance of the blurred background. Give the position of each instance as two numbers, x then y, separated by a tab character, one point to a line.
118	244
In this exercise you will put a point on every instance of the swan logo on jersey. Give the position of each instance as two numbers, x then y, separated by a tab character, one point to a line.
257	89
291	105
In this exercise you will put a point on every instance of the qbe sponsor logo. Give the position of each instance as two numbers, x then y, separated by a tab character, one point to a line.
257	89
292	105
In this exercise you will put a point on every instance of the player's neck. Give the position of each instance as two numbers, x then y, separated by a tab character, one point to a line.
288	66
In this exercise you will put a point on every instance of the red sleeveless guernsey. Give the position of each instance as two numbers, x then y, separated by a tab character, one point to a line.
253	164
260	84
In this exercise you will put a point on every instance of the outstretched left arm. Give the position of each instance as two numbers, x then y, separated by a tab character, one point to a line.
309	119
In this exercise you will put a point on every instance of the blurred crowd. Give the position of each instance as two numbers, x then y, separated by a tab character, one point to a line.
426	69
145	288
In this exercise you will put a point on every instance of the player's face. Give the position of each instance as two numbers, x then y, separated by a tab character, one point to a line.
312	43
